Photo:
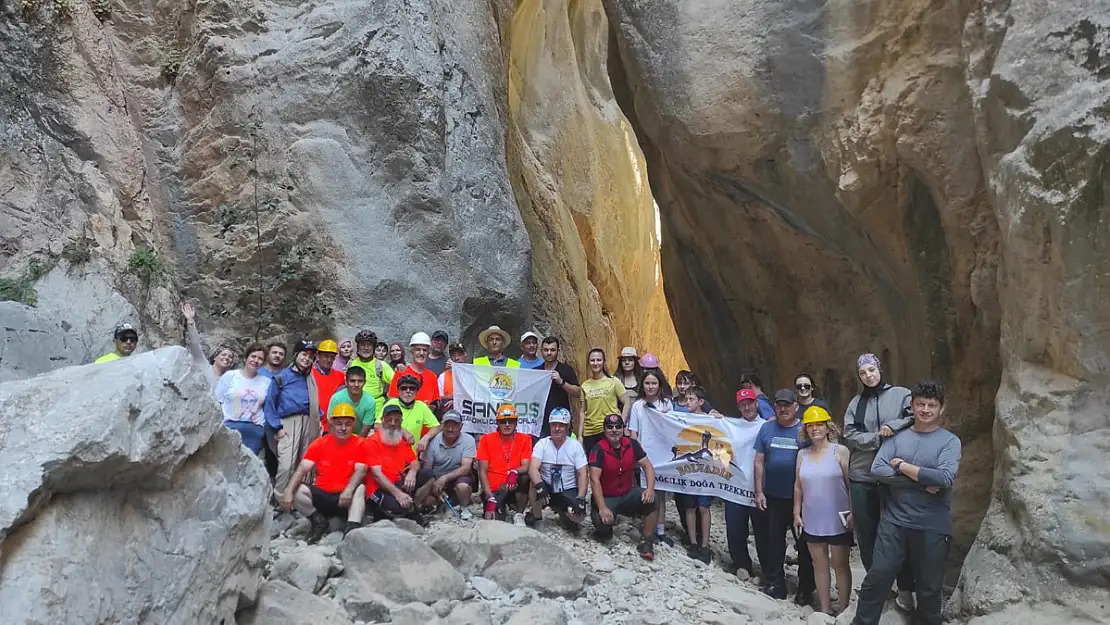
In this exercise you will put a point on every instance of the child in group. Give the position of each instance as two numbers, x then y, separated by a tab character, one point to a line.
695	508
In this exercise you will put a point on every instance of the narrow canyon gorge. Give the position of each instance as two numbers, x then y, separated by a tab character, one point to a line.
928	180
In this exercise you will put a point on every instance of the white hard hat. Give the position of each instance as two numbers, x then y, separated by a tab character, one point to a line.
420	338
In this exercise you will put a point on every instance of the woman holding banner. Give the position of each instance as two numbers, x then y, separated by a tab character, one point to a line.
654	393
822	515
603	394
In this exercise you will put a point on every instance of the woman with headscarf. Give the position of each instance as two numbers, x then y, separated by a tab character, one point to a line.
346	352
873	416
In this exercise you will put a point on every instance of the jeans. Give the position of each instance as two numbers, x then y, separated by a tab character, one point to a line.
867	508
736	529
780	520
895	548
253	435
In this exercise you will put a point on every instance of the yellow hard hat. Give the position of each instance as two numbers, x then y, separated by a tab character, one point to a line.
342	410
329	346
815	414
506	412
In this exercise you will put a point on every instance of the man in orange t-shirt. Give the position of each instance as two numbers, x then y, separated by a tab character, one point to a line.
393	467
429	383
328	378
340	463
503	458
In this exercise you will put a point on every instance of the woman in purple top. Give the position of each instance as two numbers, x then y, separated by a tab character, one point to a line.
822	507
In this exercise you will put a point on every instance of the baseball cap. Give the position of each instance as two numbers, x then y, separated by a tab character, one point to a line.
455	347
785	395
391	407
559	415
745	393
440	334
529	335
125	328
614	420
450	415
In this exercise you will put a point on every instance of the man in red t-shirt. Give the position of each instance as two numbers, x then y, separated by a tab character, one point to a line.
428	392
613	462
340	463
328	379
393	469
503	458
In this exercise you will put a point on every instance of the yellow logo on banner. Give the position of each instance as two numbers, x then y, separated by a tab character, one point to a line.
501	386
706	450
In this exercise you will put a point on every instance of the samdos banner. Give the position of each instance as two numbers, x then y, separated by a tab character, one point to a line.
479	390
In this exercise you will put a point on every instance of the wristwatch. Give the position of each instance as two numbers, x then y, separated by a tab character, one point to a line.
898	466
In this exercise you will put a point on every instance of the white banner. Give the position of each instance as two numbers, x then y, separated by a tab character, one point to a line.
479	390
701	455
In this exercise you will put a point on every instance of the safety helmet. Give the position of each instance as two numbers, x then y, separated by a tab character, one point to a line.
366	336
328	346
815	414
505	412
342	410
559	415
649	361
420	338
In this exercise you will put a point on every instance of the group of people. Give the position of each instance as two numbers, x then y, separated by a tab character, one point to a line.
354	430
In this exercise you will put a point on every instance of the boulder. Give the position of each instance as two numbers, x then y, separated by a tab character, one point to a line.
399	566
305	568
33	342
282	604
361	604
510	555
143	480
540	612
742	600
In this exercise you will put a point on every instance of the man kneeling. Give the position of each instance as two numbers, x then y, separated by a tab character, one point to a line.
558	473
340	463
392	477
613	461
503	467
446	465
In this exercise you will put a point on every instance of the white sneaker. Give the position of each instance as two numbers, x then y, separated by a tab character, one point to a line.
905	600
518	519
465	514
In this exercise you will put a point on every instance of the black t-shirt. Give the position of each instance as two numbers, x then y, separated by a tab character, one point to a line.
558	397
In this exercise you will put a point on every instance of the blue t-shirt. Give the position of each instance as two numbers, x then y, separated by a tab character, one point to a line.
766	408
531	364
780	453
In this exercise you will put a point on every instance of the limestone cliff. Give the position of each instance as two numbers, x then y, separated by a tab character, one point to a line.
925	180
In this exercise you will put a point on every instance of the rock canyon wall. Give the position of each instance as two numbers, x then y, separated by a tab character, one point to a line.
317	168
925	180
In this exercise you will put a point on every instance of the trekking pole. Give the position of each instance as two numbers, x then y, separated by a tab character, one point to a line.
454	511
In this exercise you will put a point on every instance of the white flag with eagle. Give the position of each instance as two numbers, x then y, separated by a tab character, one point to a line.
698	454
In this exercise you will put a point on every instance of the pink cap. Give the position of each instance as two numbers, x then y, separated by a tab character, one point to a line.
744	393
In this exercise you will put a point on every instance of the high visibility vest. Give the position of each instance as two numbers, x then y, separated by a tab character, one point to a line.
484	360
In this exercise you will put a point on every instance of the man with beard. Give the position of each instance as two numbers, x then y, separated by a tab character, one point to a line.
292	410
437	356
340	463
613	461
418	421
126	339
529	345
275	359
427	382
392	478
564	384
503	457
446	466
558	472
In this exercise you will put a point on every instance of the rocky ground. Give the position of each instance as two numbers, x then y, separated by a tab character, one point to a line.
494	573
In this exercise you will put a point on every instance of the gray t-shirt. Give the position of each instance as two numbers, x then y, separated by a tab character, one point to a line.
910	505
443	459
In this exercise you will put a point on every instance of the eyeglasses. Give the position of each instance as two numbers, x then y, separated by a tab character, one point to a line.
803	387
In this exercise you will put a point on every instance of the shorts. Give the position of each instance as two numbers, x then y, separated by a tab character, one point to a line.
383	502
696	501
423	476
844	539
629	504
326	503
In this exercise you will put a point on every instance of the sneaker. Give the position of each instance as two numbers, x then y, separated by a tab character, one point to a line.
666	540
351	525
318	528
518	519
646	550
693	552
465	514
905	600
705	554
776	591
529	519
803	598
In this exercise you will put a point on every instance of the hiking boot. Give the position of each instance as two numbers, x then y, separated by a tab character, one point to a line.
647	552
776	591
351	525
803	598
705	554
666	540
318	528
529	519
905	600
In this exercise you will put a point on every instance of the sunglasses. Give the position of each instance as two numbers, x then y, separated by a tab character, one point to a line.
803	387
614	427
408	388
506	421
129	339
